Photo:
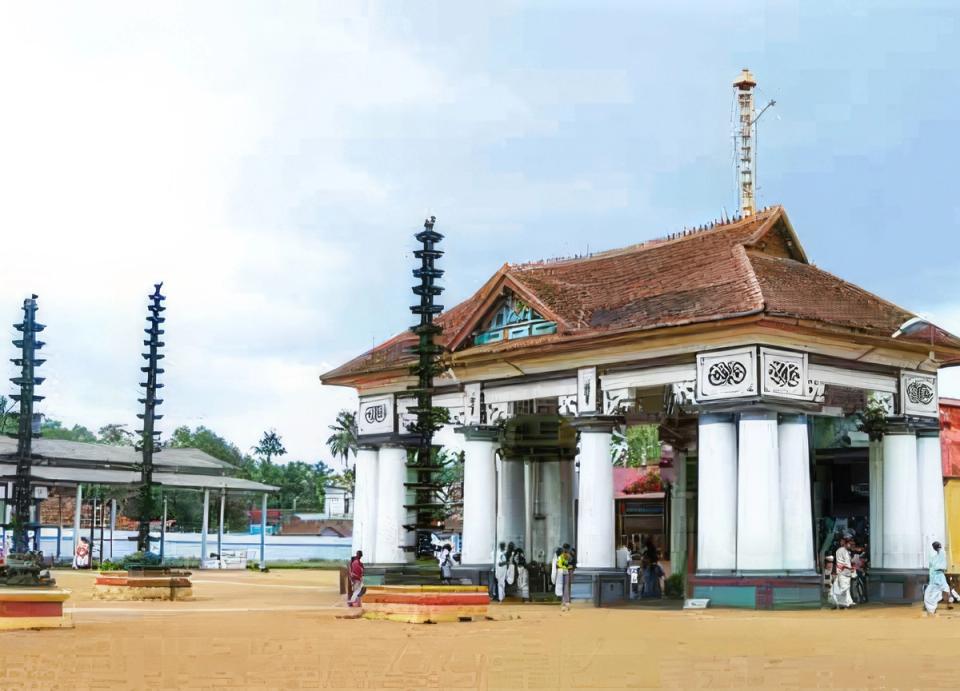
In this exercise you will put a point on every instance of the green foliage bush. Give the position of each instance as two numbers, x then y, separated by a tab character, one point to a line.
673	587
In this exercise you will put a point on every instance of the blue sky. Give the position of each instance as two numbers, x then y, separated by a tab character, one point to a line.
271	162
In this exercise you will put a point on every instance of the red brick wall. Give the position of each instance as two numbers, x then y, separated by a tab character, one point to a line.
58	509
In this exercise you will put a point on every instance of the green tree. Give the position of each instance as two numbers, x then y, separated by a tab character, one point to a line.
115	434
343	441
8	416
640	446
54	429
210	442
271	444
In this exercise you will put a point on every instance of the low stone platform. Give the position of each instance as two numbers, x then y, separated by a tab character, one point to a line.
137	586
33	608
426	604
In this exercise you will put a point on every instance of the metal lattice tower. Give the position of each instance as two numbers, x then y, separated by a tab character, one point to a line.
27	362
744	85
149	437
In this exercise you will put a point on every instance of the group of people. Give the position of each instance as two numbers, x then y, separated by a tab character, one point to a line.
511	570
647	581
848	569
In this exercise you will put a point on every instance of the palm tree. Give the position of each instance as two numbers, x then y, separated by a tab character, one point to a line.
343	441
271	444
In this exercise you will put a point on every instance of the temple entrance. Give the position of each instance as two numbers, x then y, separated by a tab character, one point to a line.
841	485
535	488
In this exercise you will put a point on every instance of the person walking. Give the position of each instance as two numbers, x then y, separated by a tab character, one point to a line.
554	577
840	592
500	572
565	566
355	576
938	585
523	574
445	560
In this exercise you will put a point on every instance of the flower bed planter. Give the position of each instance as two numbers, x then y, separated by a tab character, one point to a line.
148	584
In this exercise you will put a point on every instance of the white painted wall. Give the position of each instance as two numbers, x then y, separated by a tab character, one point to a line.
794	449
901	503
479	501
717	493
759	513
595	524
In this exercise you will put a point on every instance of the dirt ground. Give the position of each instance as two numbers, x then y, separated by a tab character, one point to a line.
280	630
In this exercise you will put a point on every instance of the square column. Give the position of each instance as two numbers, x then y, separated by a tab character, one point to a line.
901	501
365	503
716	493
479	494
759	513
595	525
391	515
930	482
678	515
876	504
797	512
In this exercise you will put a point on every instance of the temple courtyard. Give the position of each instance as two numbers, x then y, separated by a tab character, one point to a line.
281	630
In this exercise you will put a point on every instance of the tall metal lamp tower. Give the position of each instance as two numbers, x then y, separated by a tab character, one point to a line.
745	138
27	362
149	437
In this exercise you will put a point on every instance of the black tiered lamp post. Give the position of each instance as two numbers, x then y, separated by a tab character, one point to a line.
27	362
149	437
427	352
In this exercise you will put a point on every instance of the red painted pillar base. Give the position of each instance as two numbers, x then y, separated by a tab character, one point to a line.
33	608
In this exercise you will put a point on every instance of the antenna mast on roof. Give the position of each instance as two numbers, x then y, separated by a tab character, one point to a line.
745	137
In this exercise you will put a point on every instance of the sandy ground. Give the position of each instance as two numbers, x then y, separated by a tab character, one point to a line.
280	630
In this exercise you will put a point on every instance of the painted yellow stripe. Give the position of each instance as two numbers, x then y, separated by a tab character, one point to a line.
33	594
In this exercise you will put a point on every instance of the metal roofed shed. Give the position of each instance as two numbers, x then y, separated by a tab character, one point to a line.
70	462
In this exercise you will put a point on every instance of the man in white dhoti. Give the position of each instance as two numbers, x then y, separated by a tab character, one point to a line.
938	580
501	572
840	591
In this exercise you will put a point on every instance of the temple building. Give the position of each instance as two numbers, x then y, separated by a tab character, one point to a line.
797	406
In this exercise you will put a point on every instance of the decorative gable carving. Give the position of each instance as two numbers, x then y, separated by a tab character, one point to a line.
513	318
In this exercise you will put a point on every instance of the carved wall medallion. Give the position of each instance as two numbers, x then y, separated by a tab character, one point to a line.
726	374
406	419
472	404
587	390
918	394
376	415
784	374
497	412
617	401
567	405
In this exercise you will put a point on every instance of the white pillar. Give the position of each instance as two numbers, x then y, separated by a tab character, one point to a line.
759	514
930	483
479	495
113	524
365	504
511	506
78	505
391	497
795	500
901	501
223	507
876	504
205	527
716	493
595	527
263	532
678	514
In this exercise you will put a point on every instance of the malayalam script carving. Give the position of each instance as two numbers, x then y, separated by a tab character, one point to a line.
726	373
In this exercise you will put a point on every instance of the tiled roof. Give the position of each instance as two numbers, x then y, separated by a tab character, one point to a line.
750	266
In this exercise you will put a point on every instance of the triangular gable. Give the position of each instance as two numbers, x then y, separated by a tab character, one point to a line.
513	318
494	297
777	237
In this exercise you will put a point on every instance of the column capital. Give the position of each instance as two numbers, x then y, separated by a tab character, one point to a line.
928	432
909	425
479	432
595	423
793	418
365	446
